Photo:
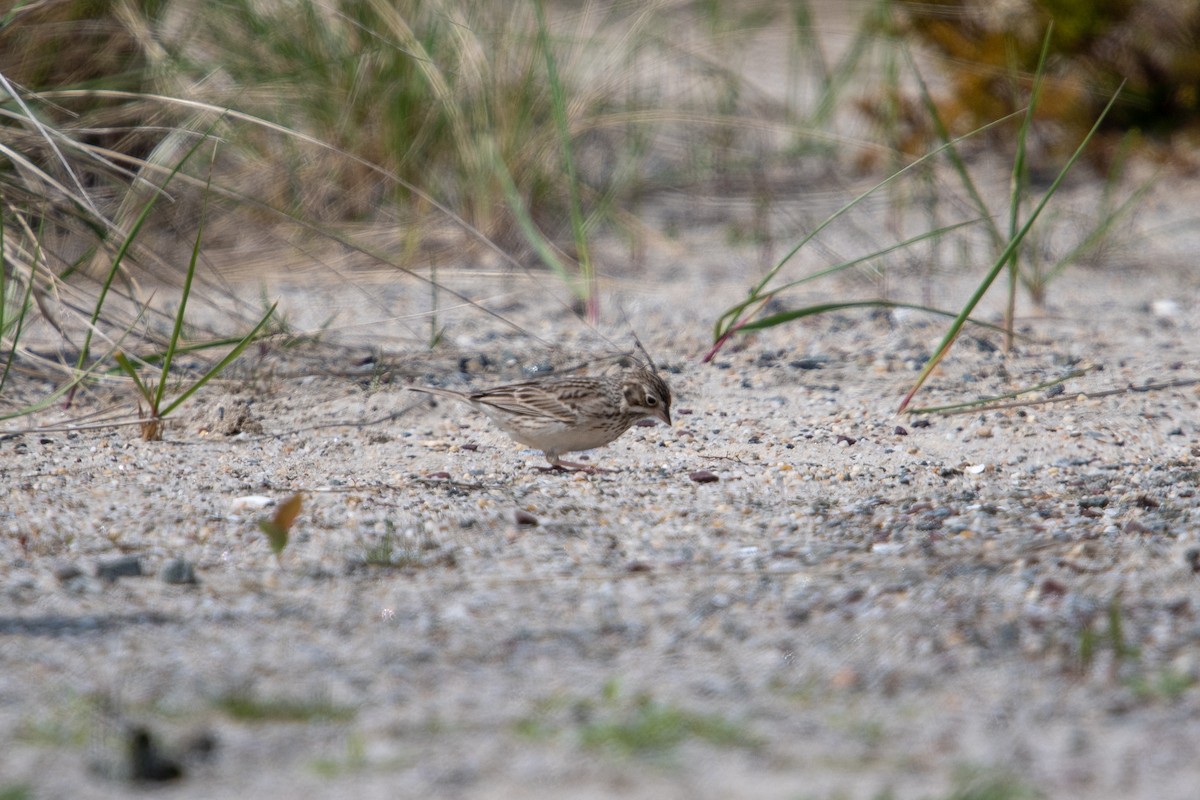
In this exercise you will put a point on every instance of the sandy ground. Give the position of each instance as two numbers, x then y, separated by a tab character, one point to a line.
862	605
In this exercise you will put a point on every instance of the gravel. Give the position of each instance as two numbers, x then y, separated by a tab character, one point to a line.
793	592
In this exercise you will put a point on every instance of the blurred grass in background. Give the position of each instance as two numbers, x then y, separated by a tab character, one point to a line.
430	93
989	50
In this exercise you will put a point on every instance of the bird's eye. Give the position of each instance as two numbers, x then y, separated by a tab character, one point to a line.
651	400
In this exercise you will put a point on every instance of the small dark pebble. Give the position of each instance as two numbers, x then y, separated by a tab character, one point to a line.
754	440
900	430
441	476
683	412
123	567
922	423
524	518
470	447
704	476
1135	528
808	363
66	572
1055	390
1095	501
1146	502
799	608
1051	588
849	440
147	762
638	566
1192	557
178	572
646	423
1175	432
984	346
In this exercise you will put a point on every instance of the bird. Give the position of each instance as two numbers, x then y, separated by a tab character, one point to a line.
572	413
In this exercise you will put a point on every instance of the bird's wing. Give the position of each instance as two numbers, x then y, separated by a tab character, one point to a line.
529	400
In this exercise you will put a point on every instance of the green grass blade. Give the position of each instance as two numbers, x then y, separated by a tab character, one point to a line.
177	330
983	403
1016	192
1098	235
853	262
824	308
3	286
222	364
558	105
123	249
955	158
846	70
1002	260
78	378
529	229
731	318
128	368
25	304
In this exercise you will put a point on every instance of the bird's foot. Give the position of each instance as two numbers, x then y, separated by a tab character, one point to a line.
558	465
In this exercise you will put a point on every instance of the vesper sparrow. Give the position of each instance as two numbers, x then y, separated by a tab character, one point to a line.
565	415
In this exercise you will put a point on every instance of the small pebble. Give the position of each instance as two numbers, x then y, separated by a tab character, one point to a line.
66	571
177	571
147	761
1165	308
252	502
524	518
123	567
704	476
808	363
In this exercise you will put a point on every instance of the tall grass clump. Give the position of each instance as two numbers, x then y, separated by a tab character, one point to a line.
81	170
500	120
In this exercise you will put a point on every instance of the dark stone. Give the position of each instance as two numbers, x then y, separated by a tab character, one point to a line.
123	567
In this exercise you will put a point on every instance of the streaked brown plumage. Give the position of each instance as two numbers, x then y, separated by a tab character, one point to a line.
565	415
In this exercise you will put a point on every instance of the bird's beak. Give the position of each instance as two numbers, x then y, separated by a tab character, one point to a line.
665	415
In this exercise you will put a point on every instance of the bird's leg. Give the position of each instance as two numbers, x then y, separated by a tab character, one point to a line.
558	465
